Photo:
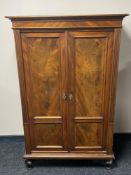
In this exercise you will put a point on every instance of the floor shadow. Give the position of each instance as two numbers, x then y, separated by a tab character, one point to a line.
121	142
68	163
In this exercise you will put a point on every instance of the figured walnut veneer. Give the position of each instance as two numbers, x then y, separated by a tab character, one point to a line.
67	70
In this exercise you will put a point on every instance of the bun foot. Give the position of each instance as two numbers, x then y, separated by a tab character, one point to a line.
109	164
29	164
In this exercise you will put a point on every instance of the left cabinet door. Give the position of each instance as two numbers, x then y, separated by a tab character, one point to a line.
45	70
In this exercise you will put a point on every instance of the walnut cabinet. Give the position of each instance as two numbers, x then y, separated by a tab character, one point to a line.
67	72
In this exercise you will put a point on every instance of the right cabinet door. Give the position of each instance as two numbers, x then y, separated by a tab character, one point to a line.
90	60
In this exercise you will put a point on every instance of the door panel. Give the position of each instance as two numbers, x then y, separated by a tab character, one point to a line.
50	137
88	135
45	68
89	60
88	53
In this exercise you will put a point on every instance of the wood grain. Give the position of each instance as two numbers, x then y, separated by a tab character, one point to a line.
75	55
23	94
89	60
44	67
42	54
89	51
88	135
67	24
114	73
87	155
85	21
48	136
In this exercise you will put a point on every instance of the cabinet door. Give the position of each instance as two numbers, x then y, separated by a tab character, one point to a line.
90	58
45	75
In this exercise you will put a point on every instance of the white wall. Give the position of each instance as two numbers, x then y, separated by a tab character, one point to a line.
10	107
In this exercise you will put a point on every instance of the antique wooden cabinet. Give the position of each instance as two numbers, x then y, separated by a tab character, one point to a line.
67	70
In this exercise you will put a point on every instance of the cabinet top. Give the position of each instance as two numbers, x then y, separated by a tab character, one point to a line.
78	17
67	22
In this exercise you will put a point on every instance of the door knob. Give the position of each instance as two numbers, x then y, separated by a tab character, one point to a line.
70	97
64	97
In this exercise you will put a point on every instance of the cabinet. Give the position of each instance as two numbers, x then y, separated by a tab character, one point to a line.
67	70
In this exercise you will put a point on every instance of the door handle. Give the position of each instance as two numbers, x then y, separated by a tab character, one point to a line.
70	97
67	97
64	97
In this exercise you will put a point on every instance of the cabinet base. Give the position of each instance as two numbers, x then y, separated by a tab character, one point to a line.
108	159
90	156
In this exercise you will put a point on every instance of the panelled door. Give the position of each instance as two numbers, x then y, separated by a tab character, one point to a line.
90	55
45	69
67	84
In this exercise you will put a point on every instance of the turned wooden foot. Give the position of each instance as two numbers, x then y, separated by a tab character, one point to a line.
29	164
109	164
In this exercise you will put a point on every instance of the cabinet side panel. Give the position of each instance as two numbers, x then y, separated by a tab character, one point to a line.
22	84
112	98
